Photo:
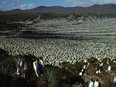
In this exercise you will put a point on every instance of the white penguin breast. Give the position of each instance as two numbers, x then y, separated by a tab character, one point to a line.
96	84
91	84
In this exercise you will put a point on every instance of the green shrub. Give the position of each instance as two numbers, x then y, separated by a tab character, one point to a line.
50	77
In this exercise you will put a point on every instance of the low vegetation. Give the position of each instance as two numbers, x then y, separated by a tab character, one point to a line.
7	17
54	76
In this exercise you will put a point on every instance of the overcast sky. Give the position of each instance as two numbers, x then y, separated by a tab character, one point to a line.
28	4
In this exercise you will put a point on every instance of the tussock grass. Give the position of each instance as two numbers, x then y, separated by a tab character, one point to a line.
53	76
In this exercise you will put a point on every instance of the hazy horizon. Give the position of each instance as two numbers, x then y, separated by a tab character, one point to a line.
29	4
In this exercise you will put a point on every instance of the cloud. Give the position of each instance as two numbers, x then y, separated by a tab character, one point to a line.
26	6
14	4
88	2
9	4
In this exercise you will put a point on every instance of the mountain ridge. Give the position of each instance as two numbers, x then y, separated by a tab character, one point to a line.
95	7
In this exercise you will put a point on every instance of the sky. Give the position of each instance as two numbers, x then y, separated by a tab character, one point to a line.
28	4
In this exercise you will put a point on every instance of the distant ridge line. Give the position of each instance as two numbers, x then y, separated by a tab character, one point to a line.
70	9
